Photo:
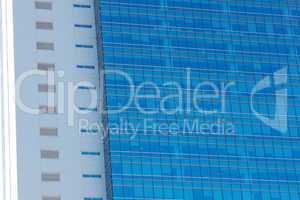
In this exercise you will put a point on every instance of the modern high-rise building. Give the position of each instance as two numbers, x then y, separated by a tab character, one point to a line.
153	99
203	98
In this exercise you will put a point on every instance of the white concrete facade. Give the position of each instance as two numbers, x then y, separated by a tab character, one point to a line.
47	156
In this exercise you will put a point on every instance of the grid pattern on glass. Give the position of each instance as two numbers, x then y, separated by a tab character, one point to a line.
245	56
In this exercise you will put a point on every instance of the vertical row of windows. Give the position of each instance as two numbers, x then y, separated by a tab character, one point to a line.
80	27
45	47
83	28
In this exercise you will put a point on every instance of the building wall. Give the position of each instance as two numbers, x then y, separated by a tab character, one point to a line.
56	158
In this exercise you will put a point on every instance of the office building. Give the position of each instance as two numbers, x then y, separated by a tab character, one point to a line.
154	99
206	106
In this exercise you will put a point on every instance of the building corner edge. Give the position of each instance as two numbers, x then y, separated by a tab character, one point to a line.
8	139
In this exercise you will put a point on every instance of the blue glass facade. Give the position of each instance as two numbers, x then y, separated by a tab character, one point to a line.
210	98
